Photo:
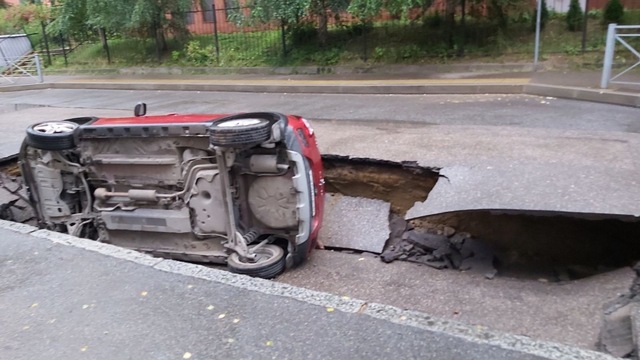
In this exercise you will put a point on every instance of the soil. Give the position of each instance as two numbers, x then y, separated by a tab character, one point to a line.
400	184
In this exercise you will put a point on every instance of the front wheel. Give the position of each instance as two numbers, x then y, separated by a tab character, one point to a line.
269	262
52	135
239	132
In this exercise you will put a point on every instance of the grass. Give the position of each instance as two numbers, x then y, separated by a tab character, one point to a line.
390	42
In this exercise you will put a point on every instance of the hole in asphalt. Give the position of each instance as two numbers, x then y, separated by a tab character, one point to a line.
522	245
401	184
556	247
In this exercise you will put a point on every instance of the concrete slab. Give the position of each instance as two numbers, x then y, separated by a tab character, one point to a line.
355	223
545	188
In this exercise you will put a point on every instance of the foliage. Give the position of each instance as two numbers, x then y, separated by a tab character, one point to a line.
20	15
365	9
433	20
613	12
71	18
288	11
146	18
631	17
198	54
404	7
544	15
574	16
499	11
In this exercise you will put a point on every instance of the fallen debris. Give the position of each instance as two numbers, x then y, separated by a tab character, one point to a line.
13	204
433	248
618	334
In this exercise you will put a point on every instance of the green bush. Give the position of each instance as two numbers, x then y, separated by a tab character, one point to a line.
613	12
631	17
303	33
544	16
433	20
198	54
574	16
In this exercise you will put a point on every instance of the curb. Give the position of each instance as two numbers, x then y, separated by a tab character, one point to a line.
593	95
564	92
305	70
372	89
475	334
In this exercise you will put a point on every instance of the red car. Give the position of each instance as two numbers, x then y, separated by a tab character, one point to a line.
244	190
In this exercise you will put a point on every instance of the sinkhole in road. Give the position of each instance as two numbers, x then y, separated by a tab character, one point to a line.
554	246
524	244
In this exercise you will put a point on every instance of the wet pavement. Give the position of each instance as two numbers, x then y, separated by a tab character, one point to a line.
60	301
575	155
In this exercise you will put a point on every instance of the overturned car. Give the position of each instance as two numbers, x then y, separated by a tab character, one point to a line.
244	190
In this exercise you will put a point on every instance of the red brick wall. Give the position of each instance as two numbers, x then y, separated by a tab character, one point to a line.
628	4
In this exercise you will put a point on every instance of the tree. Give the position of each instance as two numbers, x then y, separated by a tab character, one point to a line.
147	18
544	15
613	12
574	16
20	15
290	12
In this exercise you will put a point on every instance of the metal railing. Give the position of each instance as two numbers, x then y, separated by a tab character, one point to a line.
24	67
613	36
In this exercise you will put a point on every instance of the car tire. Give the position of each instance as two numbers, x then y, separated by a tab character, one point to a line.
270	264
52	135
301	254
240	132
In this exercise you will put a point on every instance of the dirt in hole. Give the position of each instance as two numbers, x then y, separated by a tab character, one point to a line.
399	183
557	248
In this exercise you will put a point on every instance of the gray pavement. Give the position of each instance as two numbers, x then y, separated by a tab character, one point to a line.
62	302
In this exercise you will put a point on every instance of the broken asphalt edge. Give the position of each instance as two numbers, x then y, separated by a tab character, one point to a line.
471	333
344	87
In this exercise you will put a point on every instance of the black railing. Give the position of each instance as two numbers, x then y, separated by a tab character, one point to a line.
232	37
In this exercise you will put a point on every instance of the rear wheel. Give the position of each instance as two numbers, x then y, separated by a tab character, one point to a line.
239	132
269	262
52	135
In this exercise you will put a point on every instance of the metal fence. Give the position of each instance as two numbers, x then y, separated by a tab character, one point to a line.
231	37
626	37
21	69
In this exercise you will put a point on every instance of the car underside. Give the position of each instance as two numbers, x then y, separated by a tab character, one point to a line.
240	190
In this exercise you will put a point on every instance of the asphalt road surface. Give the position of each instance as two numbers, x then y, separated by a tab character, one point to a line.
571	155
485	110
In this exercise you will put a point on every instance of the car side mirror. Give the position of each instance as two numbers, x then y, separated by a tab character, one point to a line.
140	109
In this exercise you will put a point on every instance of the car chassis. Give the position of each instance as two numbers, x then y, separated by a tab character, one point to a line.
244	190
